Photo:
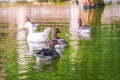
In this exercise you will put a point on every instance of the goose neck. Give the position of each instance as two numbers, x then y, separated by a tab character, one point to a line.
54	35
52	44
79	22
29	27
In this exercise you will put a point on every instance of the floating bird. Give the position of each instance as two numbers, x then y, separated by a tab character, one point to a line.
62	42
83	29
36	36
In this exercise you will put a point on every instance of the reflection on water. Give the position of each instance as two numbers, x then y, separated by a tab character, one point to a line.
73	30
22	50
96	58
12	15
85	36
21	39
74	18
44	63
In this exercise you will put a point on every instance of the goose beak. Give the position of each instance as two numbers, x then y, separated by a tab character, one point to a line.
24	28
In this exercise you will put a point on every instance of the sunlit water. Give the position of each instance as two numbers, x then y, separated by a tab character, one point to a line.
89	57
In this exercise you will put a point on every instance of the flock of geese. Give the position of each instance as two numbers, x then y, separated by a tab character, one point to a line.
55	43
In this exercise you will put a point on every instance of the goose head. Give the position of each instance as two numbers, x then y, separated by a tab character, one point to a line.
55	31
80	22
81	25
28	27
27	19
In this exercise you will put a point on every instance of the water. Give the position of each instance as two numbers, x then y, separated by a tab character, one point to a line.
91	57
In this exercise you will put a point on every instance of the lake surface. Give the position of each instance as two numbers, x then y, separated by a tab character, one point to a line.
89	57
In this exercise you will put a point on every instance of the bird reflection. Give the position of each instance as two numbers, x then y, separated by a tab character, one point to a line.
61	51
45	63
85	36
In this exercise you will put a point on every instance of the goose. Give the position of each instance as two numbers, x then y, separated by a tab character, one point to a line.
36	37
62	42
83	29
47	56
60	46
49	52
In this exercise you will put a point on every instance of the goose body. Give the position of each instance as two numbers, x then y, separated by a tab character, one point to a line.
49	52
62	43
84	30
39	37
36	36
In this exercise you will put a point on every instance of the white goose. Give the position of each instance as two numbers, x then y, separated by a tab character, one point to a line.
37	37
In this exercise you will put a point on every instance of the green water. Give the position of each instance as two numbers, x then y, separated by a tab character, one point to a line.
96	58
